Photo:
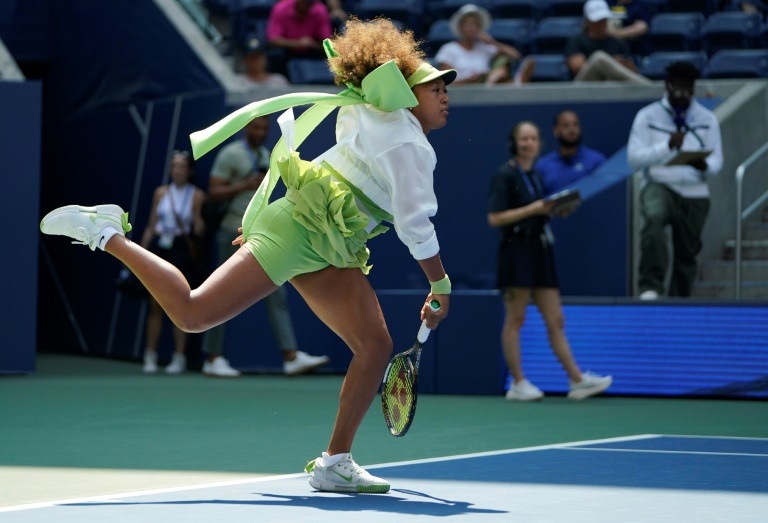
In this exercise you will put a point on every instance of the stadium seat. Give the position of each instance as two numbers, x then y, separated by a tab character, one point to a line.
676	32
302	71
550	68
517	9
563	7
408	12
551	34
516	32
245	15
654	65
439	34
738	63
706	7
732	30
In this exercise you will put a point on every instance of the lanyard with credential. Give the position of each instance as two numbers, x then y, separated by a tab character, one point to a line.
685	126
537	192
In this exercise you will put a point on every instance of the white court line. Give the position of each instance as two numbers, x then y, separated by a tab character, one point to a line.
115	498
712	437
593	449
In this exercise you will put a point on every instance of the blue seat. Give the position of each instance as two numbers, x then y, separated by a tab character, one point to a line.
738	63
304	71
706	7
563	7
676	32
654	65
516	32
552	33
550	68
732	30
517	9
408	12
438	35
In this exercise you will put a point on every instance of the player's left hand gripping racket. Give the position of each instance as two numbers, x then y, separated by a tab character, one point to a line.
398	389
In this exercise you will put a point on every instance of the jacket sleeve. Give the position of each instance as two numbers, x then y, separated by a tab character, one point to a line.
642	152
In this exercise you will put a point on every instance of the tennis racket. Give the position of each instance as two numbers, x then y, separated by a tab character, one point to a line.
398	389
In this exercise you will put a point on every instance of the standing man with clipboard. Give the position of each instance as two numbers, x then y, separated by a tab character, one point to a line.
676	142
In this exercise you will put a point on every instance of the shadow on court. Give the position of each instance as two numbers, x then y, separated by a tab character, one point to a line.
335	502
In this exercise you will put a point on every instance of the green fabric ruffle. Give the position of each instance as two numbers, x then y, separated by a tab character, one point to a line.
327	209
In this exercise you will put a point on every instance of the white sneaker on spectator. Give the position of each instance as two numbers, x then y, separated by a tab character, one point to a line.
343	476
524	391
589	385
649	295
178	364
304	363
150	362
220	368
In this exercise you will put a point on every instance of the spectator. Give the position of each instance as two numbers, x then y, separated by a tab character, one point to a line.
751	6
338	13
594	55
571	160
255	73
526	266
476	56
296	29
675	195
631	22
238	170
174	218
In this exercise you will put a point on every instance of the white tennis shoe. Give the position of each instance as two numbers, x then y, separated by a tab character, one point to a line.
524	391
589	385
344	476
86	225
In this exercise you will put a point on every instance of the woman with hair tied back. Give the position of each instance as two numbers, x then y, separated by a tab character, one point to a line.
379	170
526	265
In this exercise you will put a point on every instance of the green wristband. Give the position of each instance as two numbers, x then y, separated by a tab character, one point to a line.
441	286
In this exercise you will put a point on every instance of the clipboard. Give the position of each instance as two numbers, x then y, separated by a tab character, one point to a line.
569	198
683	157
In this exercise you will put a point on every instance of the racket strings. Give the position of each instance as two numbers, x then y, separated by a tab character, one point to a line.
398	396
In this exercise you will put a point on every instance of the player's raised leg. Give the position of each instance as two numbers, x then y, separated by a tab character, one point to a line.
232	288
345	301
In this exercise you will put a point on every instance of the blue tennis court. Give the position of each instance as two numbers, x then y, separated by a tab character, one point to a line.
639	478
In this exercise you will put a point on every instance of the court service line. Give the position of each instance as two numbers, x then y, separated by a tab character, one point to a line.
671	452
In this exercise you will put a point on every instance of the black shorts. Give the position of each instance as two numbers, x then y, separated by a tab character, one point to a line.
526	261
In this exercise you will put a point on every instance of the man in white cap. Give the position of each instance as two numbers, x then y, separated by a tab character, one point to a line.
594	55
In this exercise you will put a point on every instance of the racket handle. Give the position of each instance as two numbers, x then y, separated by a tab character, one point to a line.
424	330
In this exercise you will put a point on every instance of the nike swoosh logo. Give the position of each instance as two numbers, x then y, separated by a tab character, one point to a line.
347	478
100	242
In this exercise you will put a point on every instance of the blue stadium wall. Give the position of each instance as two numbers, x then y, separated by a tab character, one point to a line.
92	103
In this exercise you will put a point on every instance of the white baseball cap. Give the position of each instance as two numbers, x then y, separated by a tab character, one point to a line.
483	15
596	10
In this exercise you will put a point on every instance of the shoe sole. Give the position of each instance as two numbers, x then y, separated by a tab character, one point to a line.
327	486
582	394
110	209
305	370
225	376
517	398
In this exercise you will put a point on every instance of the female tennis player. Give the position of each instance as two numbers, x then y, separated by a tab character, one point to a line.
380	170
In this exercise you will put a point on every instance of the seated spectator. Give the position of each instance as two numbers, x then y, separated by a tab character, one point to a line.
338	13
296	29
594	55
571	160
631	22
476	56
255	73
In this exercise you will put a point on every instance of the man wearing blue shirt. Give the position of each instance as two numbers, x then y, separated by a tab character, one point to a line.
571	160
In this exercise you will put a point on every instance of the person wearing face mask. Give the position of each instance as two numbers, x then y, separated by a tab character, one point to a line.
571	160
673	195
526	266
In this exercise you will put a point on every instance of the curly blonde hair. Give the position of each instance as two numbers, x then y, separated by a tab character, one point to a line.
365	45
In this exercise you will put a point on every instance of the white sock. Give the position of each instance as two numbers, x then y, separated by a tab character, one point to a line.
107	233
329	461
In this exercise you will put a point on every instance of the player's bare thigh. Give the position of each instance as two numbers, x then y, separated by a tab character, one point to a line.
344	300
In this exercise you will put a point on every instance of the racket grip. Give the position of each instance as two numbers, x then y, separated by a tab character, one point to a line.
424	330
